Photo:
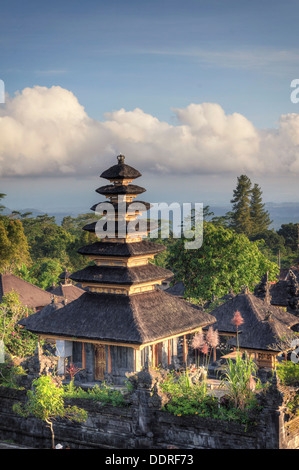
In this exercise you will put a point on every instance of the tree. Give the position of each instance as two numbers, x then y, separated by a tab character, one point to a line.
290	232
45	272
225	261
260	218
14	248
2	195
46	238
240	214
74	224
46	402
18	341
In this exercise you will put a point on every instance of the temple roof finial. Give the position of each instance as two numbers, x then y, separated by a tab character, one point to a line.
121	159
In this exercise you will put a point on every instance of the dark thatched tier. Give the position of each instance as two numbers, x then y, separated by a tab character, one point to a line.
67	291
125	206
138	226
136	319
121	275
264	324
121	171
112	189
122	249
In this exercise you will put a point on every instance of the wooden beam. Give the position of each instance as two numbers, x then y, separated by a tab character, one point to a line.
184	350
169	351
126	345
83	356
109	359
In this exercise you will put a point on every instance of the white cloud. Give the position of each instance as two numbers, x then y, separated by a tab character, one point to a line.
46	131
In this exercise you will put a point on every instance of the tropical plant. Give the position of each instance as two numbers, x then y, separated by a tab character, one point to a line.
237	321
18	341
225	261
238	379
10	374
101	393
46	403
288	373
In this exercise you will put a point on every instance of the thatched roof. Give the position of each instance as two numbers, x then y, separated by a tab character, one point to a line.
29	295
136	319
263	323
279	293
120	171
64	275
68	291
112	189
123	206
114	228
122	249
121	275
177	289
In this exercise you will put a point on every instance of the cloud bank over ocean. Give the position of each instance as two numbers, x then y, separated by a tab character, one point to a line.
46	132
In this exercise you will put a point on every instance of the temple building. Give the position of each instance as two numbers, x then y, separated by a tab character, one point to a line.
29	295
267	330
123	320
66	288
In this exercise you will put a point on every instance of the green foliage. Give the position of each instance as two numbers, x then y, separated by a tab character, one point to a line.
225	261
2	195
46	238
9	374
186	398
241	219
14	249
288	373
260	219
248	214
102	393
293	405
18	341
46	403
53	248
290	234
238	375
43	273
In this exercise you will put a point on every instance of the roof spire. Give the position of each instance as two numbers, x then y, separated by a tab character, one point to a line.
121	159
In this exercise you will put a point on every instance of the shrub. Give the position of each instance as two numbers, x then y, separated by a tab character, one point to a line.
288	373
101	393
9	375
238	378
186	398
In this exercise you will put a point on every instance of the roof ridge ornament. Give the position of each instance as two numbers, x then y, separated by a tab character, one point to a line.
121	159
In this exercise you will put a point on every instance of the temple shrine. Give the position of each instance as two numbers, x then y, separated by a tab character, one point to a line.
122	321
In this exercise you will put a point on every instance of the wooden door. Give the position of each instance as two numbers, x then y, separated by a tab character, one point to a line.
100	361
157	354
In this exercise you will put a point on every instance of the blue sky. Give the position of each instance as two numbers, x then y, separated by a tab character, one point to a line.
159	57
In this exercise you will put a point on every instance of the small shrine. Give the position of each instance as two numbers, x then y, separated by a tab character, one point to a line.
122	321
30	296
267	330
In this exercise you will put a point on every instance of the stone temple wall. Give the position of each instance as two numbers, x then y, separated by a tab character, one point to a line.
143	425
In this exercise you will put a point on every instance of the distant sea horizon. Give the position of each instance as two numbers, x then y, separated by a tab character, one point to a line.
280	212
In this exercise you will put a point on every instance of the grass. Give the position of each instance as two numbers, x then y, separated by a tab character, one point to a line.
186	398
101	393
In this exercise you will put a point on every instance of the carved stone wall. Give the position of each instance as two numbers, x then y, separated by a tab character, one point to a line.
142	424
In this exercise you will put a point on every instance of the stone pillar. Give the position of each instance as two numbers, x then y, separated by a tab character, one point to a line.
144	400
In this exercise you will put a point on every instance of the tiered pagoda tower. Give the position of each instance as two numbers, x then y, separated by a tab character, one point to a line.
124	320
121	258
